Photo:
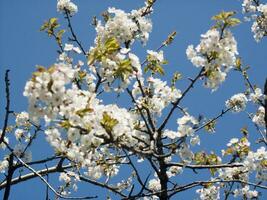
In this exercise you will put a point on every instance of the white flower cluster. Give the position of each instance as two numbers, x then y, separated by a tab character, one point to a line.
258	118
19	151
154	184
111	65
186	125
66	5
257	161
155	56
159	97
78	123
216	53
185	153
3	145
233	173
115	62
246	192
237	102
70	47
174	171
257	12
125	27
185	128
256	96
70	179
46	90
22	118
3	165
209	193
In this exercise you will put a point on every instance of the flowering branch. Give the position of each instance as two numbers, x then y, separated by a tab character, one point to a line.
214	119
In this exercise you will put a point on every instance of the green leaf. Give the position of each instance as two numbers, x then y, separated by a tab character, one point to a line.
160	70
111	45
170	38
84	111
44	26
108	122
223	15
65	124
233	22
124	69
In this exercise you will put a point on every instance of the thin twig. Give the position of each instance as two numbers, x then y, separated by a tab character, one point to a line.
191	85
75	39
32	175
213	119
7	108
48	184
205	166
9	177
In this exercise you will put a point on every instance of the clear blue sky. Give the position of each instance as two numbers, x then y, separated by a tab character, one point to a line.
22	47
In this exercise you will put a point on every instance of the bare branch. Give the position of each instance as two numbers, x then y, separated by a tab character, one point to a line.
213	119
103	185
191	85
45	181
7	108
75	39
26	177
205	166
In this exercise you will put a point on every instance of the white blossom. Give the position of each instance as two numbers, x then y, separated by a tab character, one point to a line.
186	125
258	118
237	102
211	44
154	184
19	133
209	193
3	165
22	118
63	5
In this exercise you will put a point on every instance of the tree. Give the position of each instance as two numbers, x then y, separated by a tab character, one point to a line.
136	150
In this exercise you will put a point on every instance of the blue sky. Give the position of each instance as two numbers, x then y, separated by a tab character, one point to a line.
23	46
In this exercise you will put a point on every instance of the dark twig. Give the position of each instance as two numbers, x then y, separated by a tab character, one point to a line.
265	105
213	119
7	108
191	85
75	39
48	184
103	185
9	177
28	176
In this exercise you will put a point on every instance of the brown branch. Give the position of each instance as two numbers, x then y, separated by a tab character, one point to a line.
9	177
39	161
48	184
205	166
112	189
32	175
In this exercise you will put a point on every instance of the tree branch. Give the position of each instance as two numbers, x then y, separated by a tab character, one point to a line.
7	108
179	100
